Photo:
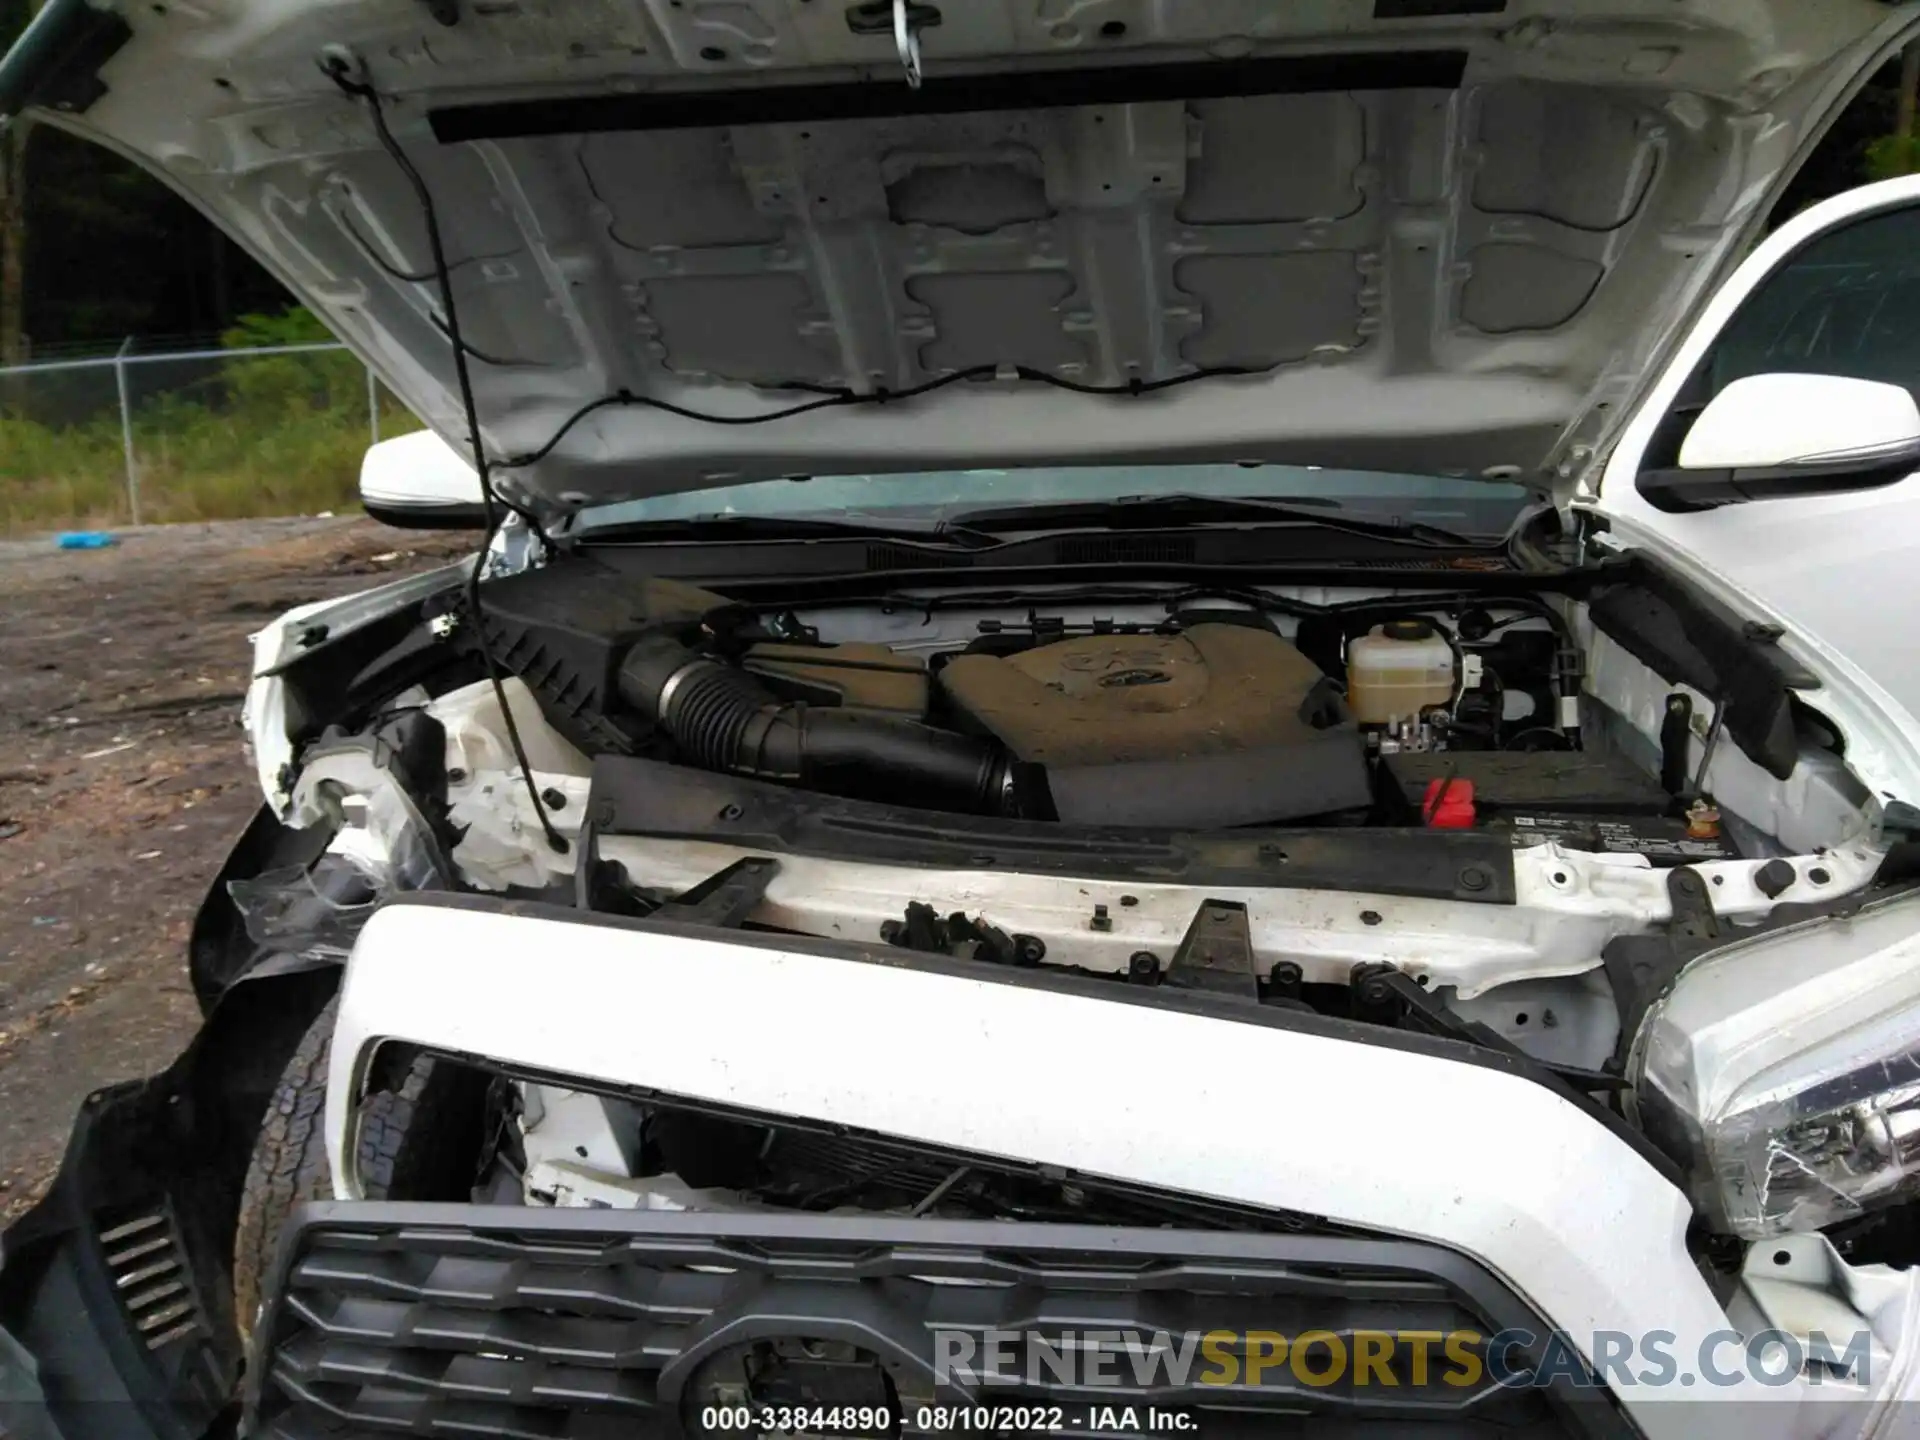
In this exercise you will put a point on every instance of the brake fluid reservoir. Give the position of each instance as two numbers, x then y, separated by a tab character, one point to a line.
1397	670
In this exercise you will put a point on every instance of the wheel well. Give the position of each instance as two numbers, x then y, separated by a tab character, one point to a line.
225	1082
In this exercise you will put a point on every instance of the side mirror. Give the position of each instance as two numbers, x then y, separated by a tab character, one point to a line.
419	482
1767	437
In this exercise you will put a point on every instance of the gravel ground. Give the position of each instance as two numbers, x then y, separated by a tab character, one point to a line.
123	784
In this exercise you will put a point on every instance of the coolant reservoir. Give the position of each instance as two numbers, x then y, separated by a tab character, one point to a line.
1397	670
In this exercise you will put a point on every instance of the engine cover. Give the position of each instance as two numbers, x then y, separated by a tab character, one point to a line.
1107	698
1220	725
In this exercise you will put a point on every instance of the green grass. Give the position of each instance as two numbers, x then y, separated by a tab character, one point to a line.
193	463
250	436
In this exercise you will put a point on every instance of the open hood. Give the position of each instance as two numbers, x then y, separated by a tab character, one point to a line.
1418	235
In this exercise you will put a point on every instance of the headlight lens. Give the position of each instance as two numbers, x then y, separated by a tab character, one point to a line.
1785	1072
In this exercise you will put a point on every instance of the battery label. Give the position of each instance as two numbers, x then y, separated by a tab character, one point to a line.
1659	840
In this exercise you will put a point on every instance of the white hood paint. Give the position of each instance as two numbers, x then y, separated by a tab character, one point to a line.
1460	252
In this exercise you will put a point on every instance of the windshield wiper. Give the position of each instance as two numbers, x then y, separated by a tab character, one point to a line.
941	535
1184	509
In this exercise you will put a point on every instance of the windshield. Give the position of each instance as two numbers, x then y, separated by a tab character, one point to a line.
1473	507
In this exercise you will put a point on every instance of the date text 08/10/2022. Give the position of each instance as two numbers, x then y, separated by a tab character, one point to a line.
848	1420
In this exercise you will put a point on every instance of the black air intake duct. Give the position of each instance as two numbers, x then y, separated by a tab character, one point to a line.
724	719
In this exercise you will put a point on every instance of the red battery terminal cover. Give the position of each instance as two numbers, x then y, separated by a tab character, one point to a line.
1448	804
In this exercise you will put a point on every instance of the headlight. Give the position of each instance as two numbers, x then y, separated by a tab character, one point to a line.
1785	1072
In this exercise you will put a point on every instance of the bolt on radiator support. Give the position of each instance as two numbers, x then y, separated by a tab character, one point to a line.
1567	905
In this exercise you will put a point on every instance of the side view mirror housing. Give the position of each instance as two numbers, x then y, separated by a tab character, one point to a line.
1767	437
419	482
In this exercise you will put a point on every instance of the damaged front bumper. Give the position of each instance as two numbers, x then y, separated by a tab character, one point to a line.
1444	1188
115	1299
116	1308
106	1329
1385	1133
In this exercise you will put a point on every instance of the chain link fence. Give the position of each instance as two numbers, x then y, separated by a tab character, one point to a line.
134	437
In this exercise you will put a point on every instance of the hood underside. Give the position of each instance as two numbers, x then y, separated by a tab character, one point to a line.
1413	235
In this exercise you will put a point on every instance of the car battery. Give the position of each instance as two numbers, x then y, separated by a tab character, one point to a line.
1579	799
1526	781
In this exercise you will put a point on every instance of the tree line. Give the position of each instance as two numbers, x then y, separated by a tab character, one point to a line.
71	217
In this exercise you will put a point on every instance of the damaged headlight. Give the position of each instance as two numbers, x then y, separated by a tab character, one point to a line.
1785	1072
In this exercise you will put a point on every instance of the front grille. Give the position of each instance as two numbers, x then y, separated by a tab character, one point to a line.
577	1324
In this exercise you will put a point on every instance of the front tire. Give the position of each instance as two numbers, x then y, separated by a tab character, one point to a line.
418	1141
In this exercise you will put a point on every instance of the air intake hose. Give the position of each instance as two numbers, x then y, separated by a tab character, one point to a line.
722	718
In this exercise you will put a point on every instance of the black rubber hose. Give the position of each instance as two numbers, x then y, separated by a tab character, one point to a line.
722	718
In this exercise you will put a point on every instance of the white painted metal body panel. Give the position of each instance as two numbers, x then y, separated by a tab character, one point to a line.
1546	1196
1837	572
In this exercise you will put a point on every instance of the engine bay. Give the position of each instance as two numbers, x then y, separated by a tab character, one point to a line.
1210	714
1544	753
1475	814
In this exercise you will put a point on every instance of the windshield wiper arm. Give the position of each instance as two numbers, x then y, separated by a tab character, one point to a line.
1180	508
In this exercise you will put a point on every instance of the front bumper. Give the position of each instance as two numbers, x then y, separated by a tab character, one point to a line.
115	1309
1374	1130
1506	1198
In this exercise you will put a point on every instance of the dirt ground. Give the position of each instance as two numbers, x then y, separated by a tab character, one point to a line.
123	784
